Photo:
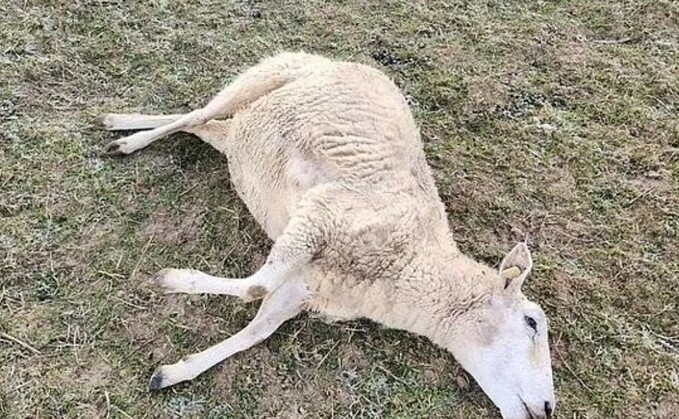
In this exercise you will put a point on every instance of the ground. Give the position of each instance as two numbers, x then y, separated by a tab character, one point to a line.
555	120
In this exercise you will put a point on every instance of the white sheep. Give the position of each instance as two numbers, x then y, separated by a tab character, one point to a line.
328	159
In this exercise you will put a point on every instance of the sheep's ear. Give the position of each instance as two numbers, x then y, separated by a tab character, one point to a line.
515	267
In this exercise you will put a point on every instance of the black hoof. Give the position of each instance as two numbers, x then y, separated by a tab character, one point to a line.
113	149
156	382
156	277
100	123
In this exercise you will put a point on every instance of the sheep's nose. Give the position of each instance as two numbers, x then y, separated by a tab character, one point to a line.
548	409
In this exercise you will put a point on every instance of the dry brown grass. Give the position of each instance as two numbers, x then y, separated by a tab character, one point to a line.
552	119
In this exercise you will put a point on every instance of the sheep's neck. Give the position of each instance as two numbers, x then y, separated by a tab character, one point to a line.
436	298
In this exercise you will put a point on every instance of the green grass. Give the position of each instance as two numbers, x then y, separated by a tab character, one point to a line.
532	125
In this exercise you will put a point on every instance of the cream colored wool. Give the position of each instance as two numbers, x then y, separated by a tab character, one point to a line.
329	161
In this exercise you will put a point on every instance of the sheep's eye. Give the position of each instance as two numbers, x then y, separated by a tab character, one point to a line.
531	322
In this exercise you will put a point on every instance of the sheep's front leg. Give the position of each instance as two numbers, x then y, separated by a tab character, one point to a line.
284	303
293	249
283	278
189	281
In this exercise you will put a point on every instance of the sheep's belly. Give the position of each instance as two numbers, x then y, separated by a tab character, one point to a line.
271	194
303	173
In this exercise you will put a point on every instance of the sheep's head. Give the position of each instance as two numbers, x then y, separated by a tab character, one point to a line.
503	344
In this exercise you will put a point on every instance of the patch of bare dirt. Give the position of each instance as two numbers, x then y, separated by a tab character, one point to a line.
435	371
145	335
173	229
656	181
259	357
560	183
94	376
301	399
354	358
667	409
564	287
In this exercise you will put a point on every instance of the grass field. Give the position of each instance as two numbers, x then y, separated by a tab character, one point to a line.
552	119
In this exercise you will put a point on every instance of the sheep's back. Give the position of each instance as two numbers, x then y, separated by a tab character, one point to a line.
340	121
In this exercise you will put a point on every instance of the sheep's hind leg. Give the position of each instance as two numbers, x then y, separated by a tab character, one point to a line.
246	88
214	132
133	121
268	75
284	303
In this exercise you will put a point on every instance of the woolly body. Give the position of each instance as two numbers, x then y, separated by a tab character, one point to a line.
329	161
356	153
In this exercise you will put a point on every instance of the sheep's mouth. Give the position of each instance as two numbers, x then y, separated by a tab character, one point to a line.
525	406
